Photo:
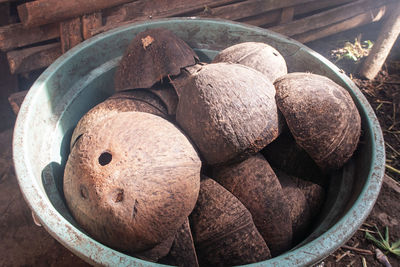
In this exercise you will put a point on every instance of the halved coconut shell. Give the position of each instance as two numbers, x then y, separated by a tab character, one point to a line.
255	184
183	252
134	100
256	55
285	154
151	56
223	229
166	92
321	116
127	186
228	110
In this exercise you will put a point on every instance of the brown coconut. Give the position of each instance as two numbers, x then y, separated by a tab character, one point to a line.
305	199
156	253
321	115
256	55
228	110
134	100
183	252
300	212
255	184
126	186
285	154
152	55
166	92
223	229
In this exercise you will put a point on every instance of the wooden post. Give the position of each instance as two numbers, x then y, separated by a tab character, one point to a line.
287	14
42	12
16	100
381	49
15	35
70	33
90	22
33	58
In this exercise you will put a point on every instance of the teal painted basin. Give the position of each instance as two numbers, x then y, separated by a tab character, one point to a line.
83	77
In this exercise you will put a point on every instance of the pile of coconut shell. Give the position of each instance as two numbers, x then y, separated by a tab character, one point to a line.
175	166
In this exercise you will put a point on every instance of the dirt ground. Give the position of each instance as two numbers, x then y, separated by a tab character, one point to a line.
22	243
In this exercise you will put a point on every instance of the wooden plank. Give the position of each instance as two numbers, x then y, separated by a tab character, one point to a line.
250	7
42	12
326	18
16	100
387	37
28	59
318	5
70	33
356	21
142	10
263	18
90	22
15	35
286	15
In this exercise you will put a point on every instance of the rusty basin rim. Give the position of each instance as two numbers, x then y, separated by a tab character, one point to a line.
98	254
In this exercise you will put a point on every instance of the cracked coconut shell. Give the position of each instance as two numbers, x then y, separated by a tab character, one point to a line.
228	111
321	116
126	186
152	55
256	55
183	252
255	184
134	100
223	230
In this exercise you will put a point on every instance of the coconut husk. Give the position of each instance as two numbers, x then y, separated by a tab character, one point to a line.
256	55
255	184
152	55
126	186
223	229
321	116
228	110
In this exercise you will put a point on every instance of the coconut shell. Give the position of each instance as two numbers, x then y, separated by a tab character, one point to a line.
228	111
255	184
152	55
259	56
166	92
223	229
300	212
137	100
183	252
285	154
159	251
321	116
126	186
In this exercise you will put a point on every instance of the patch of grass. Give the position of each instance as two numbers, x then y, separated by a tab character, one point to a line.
384	243
353	51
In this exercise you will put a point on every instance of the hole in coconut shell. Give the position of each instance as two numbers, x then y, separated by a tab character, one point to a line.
105	158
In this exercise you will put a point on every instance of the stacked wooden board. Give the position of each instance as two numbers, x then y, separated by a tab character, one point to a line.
48	28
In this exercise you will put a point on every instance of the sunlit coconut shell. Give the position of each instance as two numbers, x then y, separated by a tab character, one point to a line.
152	55
127	186
228	110
134	100
255	184
256	55
321	116
223	229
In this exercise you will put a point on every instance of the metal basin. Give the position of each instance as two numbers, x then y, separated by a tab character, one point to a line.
83	77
